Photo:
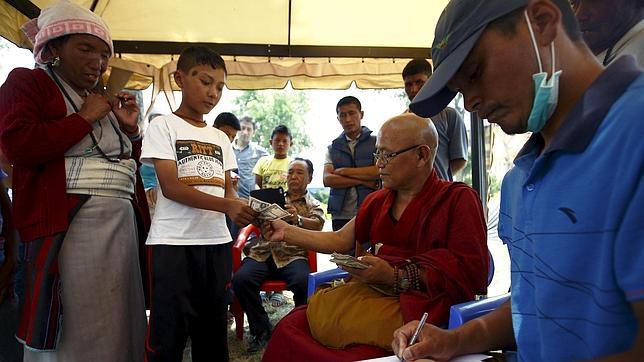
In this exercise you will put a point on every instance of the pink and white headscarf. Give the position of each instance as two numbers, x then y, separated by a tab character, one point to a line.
63	18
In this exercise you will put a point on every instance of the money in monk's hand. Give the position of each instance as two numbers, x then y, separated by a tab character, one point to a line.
348	261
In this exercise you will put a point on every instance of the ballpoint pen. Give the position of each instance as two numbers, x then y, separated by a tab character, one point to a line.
421	324
414	337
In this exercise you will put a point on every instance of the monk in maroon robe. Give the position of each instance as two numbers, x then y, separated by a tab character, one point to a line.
433	255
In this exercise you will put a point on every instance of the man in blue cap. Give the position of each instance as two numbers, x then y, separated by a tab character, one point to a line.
572	207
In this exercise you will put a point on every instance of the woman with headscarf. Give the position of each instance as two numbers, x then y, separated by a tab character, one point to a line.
74	182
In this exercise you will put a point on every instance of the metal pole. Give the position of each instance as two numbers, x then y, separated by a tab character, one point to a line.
479	174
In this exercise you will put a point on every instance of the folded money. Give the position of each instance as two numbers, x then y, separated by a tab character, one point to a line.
267	211
348	261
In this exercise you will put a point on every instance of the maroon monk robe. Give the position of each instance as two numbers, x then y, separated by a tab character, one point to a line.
442	230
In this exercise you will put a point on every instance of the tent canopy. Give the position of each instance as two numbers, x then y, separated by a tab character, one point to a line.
266	43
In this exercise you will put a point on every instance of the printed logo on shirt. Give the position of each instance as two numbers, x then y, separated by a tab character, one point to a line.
200	163
274	179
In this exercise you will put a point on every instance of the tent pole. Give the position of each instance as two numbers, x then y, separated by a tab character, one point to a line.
479	179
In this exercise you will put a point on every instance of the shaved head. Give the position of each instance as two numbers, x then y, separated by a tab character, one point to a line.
409	129
412	141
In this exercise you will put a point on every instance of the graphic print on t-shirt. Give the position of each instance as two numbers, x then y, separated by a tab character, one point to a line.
199	163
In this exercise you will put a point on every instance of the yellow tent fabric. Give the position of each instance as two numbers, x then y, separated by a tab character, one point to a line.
306	42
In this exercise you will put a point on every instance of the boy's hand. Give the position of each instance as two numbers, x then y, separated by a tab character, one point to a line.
241	213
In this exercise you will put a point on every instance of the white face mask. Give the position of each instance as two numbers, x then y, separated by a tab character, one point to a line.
546	92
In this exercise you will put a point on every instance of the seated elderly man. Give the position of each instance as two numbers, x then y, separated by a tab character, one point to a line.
279	260
432	254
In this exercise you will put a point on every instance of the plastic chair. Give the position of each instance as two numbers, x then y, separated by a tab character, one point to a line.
461	313
268	286
315	279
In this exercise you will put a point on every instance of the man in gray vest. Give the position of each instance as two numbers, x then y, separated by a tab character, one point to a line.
349	169
451	156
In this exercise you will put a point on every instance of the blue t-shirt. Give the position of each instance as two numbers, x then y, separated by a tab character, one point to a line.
572	219
149	176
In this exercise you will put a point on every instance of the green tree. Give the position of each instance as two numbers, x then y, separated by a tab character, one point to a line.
270	108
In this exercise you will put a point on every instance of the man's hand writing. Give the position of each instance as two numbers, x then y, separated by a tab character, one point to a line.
433	342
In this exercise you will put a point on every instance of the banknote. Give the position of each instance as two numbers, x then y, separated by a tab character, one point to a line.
348	261
257	205
272	212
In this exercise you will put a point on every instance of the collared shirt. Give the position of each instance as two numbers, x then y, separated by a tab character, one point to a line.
571	217
631	43
246	159
283	253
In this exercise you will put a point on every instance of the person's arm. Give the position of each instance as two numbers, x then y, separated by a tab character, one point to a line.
175	190
258	181
320	241
457	165
490	332
22	101
307	222
330	179
457	144
367	173
231	192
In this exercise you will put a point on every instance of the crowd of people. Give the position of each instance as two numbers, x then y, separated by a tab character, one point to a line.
106	222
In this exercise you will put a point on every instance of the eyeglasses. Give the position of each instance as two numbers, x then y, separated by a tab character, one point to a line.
385	157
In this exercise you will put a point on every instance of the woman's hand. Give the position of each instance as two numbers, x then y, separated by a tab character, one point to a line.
378	272
95	107
126	111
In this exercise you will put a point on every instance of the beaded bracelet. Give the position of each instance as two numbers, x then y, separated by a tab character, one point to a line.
396	283
413	275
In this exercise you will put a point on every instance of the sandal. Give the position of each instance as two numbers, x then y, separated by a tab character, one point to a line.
265	296
277	299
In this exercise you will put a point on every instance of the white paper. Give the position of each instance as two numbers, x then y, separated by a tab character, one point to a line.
465	358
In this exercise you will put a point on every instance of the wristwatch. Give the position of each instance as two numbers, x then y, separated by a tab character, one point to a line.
300	222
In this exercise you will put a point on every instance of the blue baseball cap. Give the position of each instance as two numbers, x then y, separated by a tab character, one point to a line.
457	31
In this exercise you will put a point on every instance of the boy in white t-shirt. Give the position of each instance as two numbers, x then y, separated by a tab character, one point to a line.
190	246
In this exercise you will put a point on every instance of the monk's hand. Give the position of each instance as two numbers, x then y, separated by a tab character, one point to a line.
274	230
432	342
378	272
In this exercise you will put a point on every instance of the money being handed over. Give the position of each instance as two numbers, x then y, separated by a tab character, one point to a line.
348	261
267	211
